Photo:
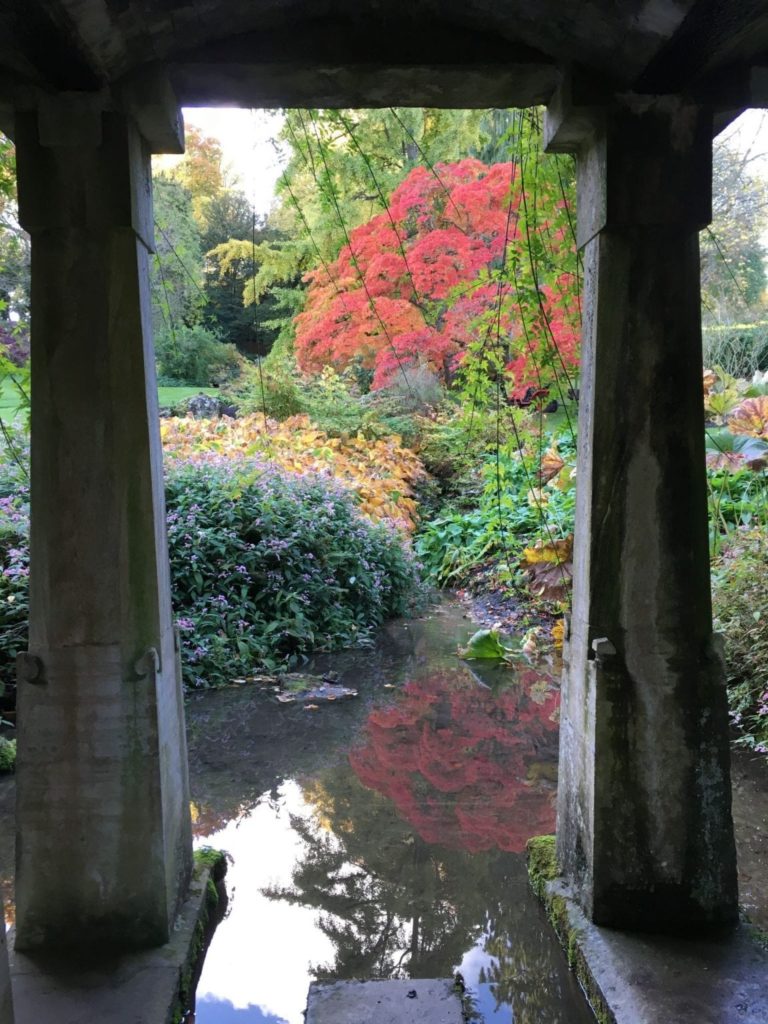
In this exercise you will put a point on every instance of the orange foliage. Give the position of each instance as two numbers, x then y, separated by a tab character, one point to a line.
415	285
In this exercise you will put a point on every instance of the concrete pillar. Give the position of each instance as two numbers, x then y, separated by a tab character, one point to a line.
104	838
644	819
6	1001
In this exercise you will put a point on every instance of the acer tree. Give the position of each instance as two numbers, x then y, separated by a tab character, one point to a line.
467	259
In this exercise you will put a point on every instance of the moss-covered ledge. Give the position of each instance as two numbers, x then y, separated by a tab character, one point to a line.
210	869
543	876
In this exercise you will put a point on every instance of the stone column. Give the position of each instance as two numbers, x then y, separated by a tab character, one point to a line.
104	838
645	835
6	1001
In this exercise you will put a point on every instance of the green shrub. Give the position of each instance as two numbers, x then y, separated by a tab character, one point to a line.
194	356
272	386
740	604
501	522
268	567
7	754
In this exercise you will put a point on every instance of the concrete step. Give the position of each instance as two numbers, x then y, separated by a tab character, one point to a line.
412	1001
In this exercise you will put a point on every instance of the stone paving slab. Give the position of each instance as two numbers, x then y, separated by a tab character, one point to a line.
655	979
137	988
415	1001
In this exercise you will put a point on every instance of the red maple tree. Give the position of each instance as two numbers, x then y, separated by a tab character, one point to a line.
436	272
467	768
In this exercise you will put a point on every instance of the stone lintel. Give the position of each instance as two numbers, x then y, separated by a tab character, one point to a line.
150	99
644	161
574	114
303	84
82	167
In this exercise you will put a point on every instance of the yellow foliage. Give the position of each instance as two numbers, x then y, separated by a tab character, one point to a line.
557	552
558	633
381	473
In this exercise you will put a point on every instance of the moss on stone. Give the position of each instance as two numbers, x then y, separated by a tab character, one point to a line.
211	860
542	870
211	894
210	869
758	935
542	862
7	754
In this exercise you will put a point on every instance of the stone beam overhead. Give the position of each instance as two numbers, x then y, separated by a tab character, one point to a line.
371	86
149	98
714	34
347	52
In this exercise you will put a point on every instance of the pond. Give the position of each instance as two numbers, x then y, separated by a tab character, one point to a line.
383	836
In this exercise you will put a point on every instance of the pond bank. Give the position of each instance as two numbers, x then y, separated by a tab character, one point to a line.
375	837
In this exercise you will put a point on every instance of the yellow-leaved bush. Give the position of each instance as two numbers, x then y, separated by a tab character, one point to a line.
381	473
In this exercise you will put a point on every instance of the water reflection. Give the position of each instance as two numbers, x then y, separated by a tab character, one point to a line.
381	838
469	768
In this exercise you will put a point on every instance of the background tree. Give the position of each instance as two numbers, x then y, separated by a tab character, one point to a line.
733	276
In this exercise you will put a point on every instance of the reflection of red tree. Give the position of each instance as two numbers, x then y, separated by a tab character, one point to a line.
467	768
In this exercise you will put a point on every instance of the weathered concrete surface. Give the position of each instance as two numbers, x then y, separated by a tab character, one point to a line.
411	1001
6	1000
149	987
644	802
459	53
639	979
104	837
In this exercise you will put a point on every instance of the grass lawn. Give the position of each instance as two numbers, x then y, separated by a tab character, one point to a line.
10	402
170	396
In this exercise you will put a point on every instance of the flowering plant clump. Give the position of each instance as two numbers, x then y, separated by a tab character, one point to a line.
14	558
269	566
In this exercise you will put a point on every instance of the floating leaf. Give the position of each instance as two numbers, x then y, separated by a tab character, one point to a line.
485	644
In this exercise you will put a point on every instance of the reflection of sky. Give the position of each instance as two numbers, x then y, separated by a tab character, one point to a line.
257	968
484	999
216	1011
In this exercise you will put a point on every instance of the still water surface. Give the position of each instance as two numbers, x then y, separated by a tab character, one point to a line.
384	836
